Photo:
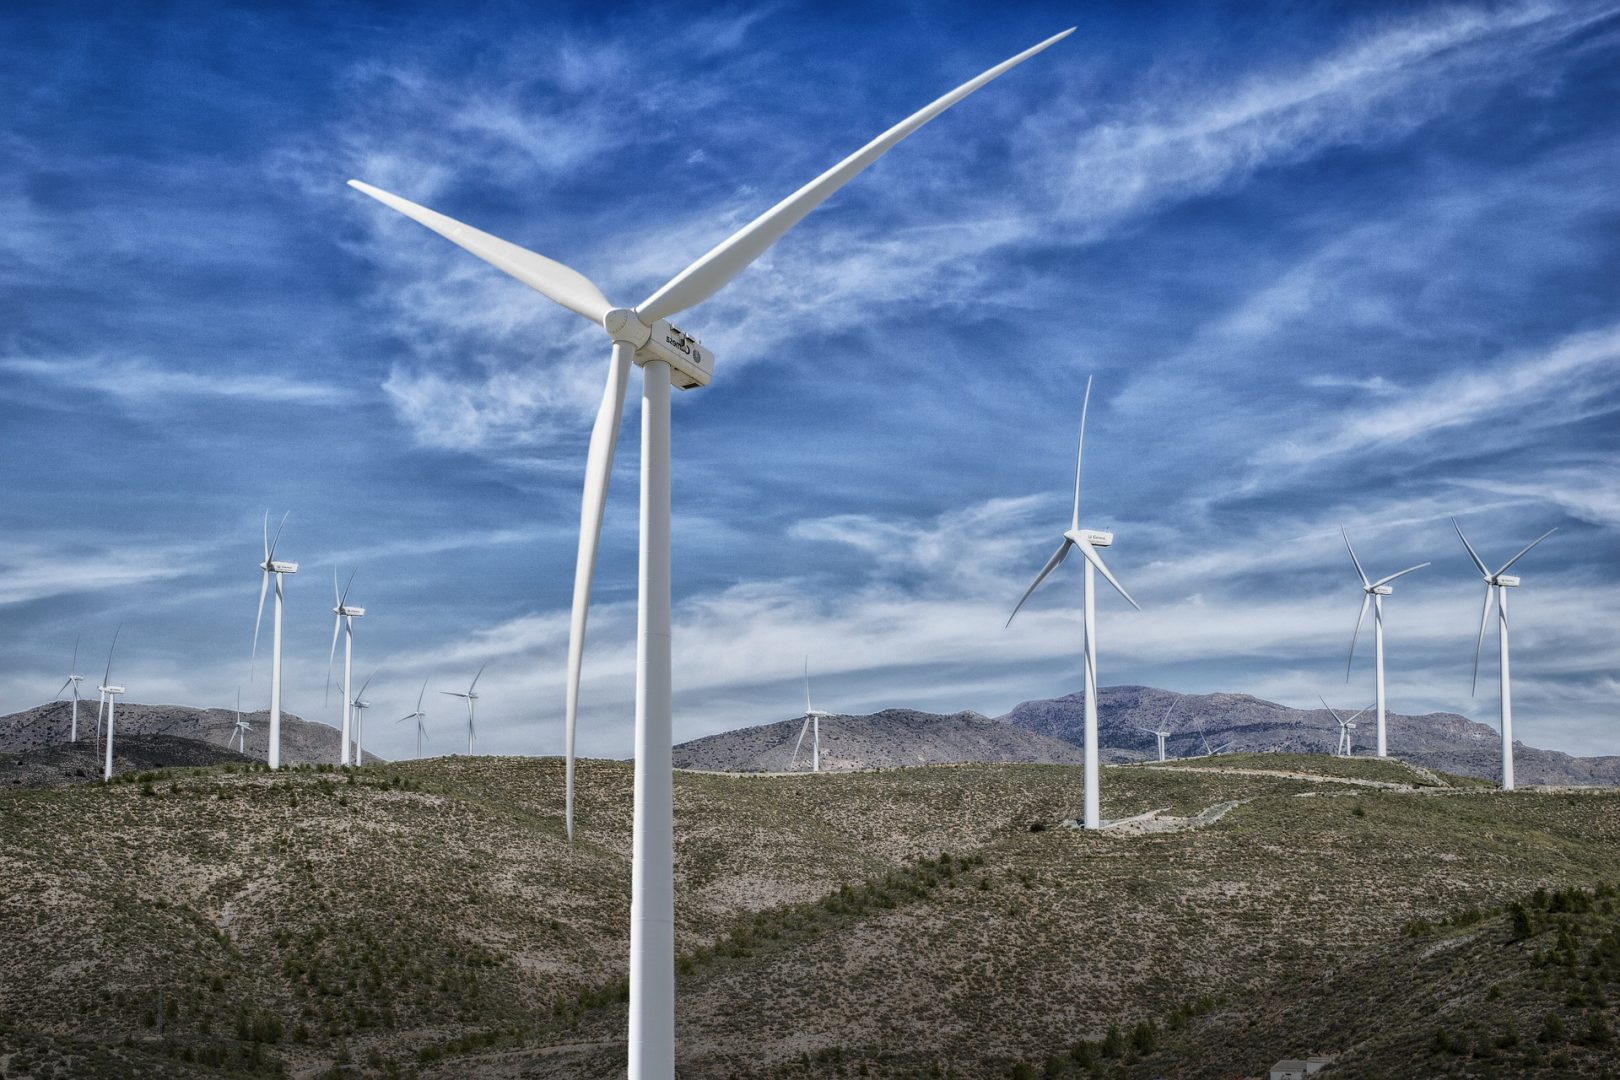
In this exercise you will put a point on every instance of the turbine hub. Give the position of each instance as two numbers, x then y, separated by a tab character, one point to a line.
621	324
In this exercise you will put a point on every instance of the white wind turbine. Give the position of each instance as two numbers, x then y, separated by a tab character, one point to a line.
470	696
644	336
1160	732
812	722
360	705
1086	541
109	694
277	570
73	680
1346	726
343	617
1373	593
419	716
239	732
1496	587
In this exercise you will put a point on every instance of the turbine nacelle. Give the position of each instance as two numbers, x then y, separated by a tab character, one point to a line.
275	566
345	611
690	364
110	690
1379	590
1095	537
1504	581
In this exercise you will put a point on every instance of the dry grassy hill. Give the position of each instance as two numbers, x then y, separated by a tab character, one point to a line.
429	919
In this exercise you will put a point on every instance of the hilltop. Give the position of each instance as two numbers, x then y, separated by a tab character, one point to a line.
303	742
883	740
428	918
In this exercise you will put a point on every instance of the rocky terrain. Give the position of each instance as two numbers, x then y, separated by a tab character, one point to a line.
1444	741
43	727
81	763
883	740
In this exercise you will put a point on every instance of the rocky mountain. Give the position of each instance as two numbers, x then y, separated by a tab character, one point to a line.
80	763
303	742
1246	724
883	740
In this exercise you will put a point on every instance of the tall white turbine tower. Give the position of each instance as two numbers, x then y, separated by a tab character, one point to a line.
1373	593
812	722
667	356
1496	587
1161	732
277	570
343	616
73	680
1346	726
1086	541
470	696
239	732
360	705
110	694
419	716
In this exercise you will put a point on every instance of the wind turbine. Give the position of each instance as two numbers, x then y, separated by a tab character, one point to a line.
1086	541
644	336
1373	593
242	727
470	696
109	694
343	616
1160	733
418	716
73	680
277	570
1346	726
1496	587
812	721
360	705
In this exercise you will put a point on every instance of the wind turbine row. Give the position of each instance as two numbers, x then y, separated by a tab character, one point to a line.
643	336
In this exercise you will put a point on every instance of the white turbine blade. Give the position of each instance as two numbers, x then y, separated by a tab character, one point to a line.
710	273
1366	602
1526	550
452	693
267	536
1166	718
75	665
344	598
365	684
807	709
419	698
1080	449
275	540
795	755
1472	554
106	679
1357	713
258	620
1359	571
1330	709
331	655
1096	560
598	471
65	684
1051	564
558	283
1484	618
476	677
1403	573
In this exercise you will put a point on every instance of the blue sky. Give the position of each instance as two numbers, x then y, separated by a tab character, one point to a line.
1328	265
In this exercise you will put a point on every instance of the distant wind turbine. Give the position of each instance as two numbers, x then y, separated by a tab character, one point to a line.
73	680
1496	587
277	570
1346	726
470	696
343	617
1373	593
1086	541
419	716
360	705
812	722
110	693
1160	732
242	726
668	356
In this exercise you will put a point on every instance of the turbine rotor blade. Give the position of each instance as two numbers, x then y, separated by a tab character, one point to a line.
795	755
271	553
598	471
258	620
74	666
1472	554
1096	560
419	698
558	283
1359	571
66	683
106	680
1166	718
1403	573
344	599
1079	452
365	684
807	686
1051	564
1526	550
1330	708
1366	602
331	655
480	675
710	273
1484	618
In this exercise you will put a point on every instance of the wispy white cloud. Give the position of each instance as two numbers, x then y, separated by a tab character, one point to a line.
136	381
41	569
